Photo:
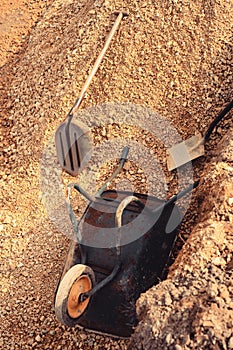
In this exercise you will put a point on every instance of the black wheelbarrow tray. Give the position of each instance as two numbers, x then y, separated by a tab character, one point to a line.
124	242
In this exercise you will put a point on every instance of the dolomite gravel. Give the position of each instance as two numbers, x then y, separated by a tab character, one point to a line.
173	57
192	308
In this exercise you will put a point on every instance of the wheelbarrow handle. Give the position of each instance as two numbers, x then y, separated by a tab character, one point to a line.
97	63
118	217
123	159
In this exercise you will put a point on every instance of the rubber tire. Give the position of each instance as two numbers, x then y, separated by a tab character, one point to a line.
64	289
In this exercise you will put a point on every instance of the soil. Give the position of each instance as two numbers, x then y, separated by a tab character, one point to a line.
192	308
17	18
175	58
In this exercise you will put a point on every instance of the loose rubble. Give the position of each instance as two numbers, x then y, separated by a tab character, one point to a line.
174	58
192	309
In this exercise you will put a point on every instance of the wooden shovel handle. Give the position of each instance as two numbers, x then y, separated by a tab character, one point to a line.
97	62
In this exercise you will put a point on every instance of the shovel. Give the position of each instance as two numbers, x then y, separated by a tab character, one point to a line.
72	141
193	147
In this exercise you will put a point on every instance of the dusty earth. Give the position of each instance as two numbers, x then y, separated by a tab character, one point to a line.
192	308
17	18
172	57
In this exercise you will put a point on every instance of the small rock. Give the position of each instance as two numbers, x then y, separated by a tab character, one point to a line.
208	323
38	338
178	347
127	165
224	293
167	299
230	343
83	336
168	338
218	261
213	290
24	273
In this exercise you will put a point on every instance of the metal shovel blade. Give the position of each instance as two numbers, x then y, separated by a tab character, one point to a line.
73	147
185	151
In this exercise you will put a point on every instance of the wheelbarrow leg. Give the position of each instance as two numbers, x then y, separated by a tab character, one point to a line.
101	284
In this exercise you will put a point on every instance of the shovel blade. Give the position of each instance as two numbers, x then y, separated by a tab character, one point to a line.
73	147
185	151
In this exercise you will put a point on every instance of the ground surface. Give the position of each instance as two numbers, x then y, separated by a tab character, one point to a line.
192	308
176	59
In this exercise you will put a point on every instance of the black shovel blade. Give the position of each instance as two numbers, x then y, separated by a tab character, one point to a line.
72	146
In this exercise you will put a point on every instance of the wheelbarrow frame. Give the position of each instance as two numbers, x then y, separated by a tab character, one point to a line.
120	276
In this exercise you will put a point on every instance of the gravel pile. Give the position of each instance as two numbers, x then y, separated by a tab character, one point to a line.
174	58
192	309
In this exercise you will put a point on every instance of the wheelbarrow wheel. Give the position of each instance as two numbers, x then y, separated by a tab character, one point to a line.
68	307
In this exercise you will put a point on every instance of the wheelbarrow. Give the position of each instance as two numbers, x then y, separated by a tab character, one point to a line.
100	283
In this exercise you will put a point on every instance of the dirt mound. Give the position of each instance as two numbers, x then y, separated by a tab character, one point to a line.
192	309
175	59
16	20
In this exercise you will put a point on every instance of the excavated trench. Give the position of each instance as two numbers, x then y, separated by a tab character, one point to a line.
176	61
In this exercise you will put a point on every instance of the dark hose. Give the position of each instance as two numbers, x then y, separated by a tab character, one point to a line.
217	120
